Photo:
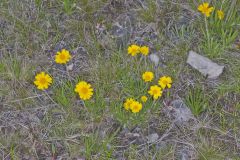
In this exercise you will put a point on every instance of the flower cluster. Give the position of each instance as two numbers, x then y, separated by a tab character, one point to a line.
133	105
134	50
44	80
206	10
155	91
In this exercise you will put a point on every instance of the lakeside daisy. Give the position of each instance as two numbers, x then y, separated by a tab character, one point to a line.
148	76
63	57
144	99
144	50
133	50
42	81
165	81
155	91
220	14
84	90
205	9
136	107
128	103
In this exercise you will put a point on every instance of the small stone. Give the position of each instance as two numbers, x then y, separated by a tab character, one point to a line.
181	112
152	138
154	58
184	155
121	35
70	67
136	135
161	146
109	146
204	65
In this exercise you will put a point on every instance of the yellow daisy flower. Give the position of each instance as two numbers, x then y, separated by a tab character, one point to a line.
84	90
63	57
155	91
220	14
144	50
144	99
133	50
42	81
148	76
135	107
165	81
205	9
127	103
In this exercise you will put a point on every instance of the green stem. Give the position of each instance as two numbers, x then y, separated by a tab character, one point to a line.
207	31
168	94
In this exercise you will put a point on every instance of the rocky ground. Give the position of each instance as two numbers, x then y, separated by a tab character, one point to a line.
199	118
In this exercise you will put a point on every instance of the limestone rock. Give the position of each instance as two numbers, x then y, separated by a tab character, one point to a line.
204	65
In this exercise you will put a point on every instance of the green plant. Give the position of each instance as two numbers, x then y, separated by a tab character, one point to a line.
38	3
63	95
196	100
218	35
68	6
207	150
149	14
94	144
12	152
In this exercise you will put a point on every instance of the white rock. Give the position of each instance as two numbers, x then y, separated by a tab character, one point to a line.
154	58
204	65
70	67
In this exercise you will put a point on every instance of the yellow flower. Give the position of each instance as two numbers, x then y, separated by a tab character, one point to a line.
63	57
205	9
144	50
220	14
147	76
133	50
135	106
84	90
42	81
144	99
127	103
165	81
155	91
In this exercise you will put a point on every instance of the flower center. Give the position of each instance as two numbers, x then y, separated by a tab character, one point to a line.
62	57
84	90
155	91
42	80
129	103
205	9
135	107
134	50
165	82
148	77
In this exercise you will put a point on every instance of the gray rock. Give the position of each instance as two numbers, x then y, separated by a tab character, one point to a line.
185	154
152	138
59	46
121	35
181	112
204	65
